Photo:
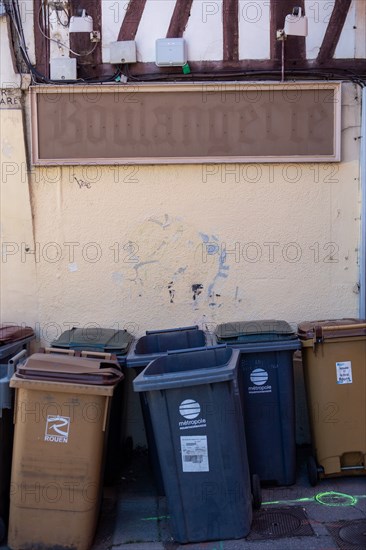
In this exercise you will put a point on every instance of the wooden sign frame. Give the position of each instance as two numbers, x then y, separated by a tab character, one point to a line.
192	123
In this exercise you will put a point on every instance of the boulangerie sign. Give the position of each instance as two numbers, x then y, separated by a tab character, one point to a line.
186	123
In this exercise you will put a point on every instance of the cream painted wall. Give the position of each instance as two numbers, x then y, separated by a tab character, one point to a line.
18	293
291	233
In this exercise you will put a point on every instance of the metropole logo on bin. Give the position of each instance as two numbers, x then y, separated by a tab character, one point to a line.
57	429
259	377
190	410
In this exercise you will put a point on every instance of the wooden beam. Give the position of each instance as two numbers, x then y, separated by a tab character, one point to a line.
131	20
179	20
254	69
42	45
334	30
231	30
88	65
295	45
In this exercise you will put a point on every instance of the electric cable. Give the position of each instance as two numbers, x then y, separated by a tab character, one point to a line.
58	42
324	73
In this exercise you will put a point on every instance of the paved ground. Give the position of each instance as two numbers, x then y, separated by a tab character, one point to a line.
134	515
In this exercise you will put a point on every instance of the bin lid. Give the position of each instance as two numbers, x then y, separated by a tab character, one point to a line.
332	328
77	370
160	342
14	333
188	368
95	339
267	330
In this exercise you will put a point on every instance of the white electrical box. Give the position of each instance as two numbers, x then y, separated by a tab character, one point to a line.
122	52
63	68
83	23
296	25
170	52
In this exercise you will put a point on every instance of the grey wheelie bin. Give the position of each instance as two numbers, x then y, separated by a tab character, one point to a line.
153	345
14	343
334	357
195	409
61	421
109	343
267	386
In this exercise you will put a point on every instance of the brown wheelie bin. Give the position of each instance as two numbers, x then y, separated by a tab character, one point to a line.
61	419
334	358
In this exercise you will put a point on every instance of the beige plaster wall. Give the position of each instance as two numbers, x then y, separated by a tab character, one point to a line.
18	295
144	247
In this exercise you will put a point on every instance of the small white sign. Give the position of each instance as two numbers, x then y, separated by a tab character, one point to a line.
189	409
57	429
194	453
344	372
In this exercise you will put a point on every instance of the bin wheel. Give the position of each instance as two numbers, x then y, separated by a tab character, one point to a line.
256	491
2	530
313	474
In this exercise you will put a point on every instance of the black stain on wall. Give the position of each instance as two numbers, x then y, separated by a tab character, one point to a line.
197	290
171	292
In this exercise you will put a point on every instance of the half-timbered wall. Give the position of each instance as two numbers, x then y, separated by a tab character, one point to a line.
220	34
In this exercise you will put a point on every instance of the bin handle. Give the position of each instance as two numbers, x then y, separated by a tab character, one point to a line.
189	350
98	354
343	327
180	329
319	330
60	351
12	363
106	410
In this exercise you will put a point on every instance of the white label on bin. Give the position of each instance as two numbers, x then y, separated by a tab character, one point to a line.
259	377
344	372
57	429
190	410
194	453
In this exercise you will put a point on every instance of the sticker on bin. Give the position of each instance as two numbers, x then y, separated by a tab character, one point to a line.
190	410
344	372
57	429
194	453
259	379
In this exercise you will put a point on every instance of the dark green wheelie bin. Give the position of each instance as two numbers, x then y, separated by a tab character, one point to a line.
267	386
89	342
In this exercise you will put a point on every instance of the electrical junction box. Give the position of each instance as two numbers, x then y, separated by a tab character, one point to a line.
63	68
296	25
83	23
170	52
123	51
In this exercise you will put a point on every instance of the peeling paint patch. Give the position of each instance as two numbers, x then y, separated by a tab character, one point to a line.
7	149
73	267
161	245
207	239
117	277
197	290
137	267
164	223
171	292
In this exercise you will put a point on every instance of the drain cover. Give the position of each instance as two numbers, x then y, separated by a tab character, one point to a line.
349	534
279	523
